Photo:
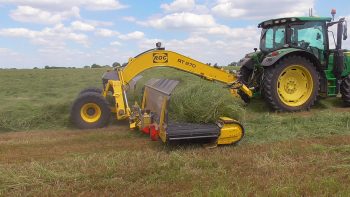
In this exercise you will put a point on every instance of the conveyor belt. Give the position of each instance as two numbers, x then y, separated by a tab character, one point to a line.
183	131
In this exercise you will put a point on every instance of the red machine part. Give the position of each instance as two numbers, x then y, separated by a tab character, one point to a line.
153	133
146	130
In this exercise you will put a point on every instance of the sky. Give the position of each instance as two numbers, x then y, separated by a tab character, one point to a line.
36	33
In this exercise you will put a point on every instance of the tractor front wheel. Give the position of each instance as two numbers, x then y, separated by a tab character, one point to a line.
291	85
345	90
90	111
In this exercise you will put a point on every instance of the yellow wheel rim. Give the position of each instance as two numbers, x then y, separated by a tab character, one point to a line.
90	112
295	85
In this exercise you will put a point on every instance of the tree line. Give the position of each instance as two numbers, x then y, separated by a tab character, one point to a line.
117	65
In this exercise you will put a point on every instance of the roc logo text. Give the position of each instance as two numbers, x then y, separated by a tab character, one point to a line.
160	58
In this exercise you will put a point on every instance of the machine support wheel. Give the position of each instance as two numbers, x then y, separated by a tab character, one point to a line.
90	111
345	90
91	89
291	85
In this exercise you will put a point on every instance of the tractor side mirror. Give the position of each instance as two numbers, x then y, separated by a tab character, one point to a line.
345	33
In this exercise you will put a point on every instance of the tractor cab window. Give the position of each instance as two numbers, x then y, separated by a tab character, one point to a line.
308	36
272	38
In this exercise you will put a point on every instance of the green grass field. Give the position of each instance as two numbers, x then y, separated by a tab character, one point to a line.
293	154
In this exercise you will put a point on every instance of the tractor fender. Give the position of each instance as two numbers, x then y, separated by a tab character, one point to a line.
249	60
275	56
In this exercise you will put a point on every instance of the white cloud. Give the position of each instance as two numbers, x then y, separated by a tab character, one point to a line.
81	26
179	6
256	9
228	32
48	37
104	5
227	9
96	23
116	43
136	35
17	32
34	15
182	20
7	52
106	33
129	18
185	6
67	4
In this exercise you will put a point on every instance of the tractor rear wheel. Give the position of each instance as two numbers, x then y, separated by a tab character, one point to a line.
291	85
91	89
345	90
90	111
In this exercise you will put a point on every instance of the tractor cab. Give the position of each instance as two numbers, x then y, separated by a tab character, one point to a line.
295	64
305	33
309	34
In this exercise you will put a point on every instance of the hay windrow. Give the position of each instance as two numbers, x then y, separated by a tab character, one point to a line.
196	100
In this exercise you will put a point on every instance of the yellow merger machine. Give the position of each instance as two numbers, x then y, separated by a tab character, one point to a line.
92	110
294	66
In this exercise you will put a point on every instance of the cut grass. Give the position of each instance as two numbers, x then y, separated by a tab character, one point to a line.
115	161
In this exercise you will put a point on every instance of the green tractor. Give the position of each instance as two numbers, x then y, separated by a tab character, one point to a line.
295	64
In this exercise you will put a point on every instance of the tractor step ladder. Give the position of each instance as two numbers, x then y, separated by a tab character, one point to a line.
332	83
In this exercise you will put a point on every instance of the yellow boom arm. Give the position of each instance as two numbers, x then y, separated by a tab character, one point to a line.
163	58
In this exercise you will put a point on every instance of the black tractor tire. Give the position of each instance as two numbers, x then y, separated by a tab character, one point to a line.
270	85
244	75
345	91
91	89
98	101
